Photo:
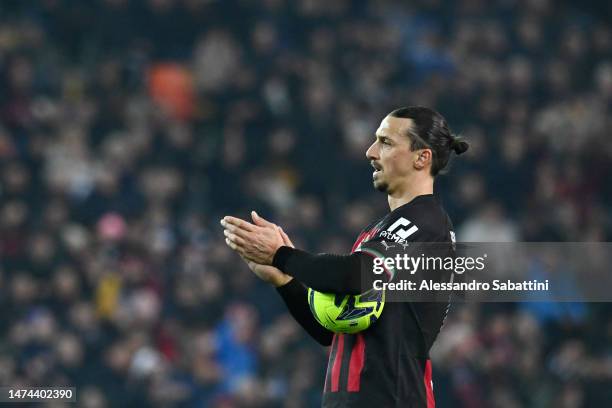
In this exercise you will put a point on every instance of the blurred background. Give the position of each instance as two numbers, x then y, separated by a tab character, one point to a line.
129	128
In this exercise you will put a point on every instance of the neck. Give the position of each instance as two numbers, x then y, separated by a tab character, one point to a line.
409	190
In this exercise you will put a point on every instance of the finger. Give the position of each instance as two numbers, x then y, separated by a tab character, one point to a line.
245	225
279	231
231	244
239	241
238	231
237	248
262	222
245	259
249	263
286	239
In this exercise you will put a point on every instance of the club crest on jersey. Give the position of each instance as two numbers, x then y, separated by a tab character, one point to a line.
399	231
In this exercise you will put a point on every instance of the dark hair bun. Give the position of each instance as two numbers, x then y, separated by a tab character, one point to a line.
459	145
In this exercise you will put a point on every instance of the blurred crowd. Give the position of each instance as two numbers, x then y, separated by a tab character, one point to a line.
129	128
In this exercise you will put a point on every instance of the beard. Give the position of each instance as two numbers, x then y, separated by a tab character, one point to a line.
380	186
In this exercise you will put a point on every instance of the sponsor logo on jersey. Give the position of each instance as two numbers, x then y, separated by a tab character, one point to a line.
399	231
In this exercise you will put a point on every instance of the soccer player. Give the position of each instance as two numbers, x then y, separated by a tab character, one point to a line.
388	364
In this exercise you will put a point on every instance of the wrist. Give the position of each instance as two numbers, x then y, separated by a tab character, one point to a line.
281	280
280	256
270	260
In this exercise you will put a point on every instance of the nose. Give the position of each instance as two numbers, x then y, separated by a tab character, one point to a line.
372	152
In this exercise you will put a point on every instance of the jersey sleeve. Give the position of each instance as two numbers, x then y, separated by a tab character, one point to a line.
353	273
295	296
326	273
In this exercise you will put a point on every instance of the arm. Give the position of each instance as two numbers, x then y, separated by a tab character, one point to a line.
295	296
325	272
263	243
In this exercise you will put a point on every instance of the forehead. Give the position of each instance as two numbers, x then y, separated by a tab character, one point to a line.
392	126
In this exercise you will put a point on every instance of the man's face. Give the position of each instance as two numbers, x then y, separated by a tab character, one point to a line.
390	154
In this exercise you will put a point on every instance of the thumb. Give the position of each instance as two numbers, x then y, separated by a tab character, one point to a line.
286	240
260	221
249	263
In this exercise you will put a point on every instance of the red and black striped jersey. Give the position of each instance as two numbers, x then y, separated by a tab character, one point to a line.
388	364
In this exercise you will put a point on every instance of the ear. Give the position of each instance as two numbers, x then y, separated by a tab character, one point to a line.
423	159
